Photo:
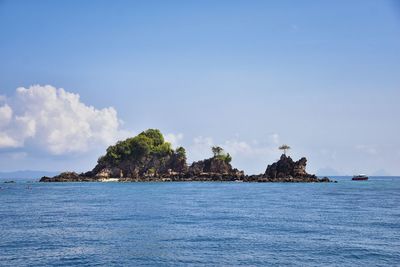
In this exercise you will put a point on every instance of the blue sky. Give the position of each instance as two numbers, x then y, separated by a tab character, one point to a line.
322	76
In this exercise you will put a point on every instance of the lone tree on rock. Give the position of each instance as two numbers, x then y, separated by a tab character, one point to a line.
285	148
217	151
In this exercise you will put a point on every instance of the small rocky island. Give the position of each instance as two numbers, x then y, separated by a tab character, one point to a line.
148	158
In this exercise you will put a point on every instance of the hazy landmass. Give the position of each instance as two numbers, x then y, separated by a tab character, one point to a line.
26	174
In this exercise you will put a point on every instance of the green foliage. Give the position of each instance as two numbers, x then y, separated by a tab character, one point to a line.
151	171
219	153
149	142
123	149
285	148
163	150
181	152
155	135
140	146
101	159
112	154
225	157
228	158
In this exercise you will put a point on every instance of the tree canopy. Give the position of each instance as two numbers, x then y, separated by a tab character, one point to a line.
217	150
285	148
155	136
219	153
149	142
181	152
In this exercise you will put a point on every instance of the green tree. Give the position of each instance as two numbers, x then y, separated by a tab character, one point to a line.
141	145
149	142
112	154
285	148
228	158
217	151
181	152
155	135
163	149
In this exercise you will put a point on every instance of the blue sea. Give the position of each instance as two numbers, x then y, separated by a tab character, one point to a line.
196	223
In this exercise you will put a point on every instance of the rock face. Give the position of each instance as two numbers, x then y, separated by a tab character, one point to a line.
214	169
286	167
67	177
149	166
287	170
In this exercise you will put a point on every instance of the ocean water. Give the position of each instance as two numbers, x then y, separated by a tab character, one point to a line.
194	224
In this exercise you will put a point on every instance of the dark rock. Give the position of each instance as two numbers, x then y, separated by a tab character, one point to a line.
67	177
287	170
325	180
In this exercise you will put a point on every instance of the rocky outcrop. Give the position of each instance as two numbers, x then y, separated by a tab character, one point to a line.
286	167
287	170
148	166
214	169
147	157
68	177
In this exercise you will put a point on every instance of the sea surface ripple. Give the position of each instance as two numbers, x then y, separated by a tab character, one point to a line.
195	224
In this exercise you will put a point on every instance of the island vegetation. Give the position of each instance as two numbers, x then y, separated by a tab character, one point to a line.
148	157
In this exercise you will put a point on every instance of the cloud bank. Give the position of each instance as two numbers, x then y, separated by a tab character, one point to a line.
55	121
174	139
201	147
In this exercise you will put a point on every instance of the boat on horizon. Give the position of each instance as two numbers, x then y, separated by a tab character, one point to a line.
360	177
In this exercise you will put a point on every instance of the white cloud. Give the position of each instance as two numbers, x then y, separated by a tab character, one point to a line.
254	149
55	121
5	115
367	149
16	155
328	153
7	141
235	147
201	148
274	138
174	139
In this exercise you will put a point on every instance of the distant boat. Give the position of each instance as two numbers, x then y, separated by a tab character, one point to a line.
360	177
